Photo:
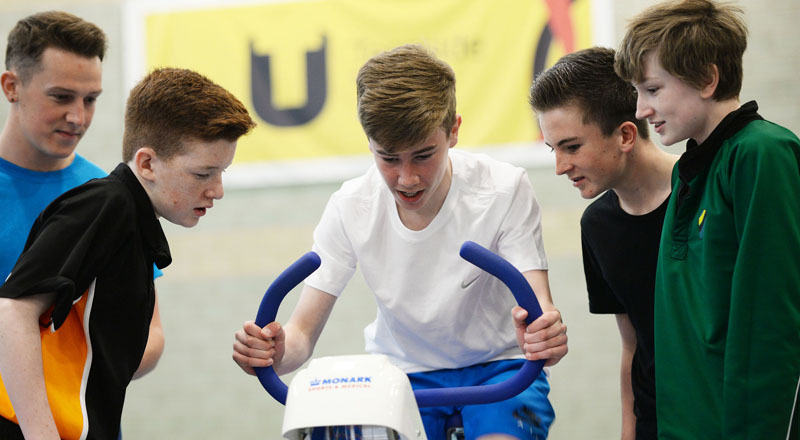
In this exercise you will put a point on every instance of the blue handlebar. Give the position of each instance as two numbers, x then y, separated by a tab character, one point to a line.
286	281
475	395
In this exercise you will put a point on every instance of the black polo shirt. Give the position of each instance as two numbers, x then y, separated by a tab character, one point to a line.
94	246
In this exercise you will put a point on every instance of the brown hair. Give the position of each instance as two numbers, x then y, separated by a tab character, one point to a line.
33	34
687	37
587	80
170	106
403	95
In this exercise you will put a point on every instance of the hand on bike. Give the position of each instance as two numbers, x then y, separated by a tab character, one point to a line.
544	338
258	347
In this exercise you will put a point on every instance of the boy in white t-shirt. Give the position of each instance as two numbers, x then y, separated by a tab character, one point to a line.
439	318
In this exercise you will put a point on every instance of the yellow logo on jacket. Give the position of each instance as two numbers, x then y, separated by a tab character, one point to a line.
700	223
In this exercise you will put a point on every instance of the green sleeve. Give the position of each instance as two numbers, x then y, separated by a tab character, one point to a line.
762	352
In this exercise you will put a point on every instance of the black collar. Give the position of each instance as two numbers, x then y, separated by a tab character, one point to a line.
152	233
697	158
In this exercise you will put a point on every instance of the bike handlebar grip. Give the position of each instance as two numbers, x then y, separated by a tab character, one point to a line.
521	289
268	310
505	272
474	395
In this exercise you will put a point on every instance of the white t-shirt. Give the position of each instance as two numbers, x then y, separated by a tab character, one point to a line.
435	309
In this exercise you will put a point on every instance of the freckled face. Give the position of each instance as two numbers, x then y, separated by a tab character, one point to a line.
590	160
185	186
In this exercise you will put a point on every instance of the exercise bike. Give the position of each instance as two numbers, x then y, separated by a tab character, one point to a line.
365	396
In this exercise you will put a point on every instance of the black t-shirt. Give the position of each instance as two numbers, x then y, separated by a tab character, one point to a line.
620	252
94	247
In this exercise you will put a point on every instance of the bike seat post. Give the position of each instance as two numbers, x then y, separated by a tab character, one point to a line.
454	427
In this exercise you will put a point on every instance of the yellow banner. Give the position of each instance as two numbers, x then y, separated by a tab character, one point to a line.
294	64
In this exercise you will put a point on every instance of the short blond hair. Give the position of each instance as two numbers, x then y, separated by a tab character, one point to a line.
687	37
403	95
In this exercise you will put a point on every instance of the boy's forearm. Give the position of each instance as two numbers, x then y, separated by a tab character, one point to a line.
540	284
152	352
304	328
298	350
626	393
155	345
628	336
21	367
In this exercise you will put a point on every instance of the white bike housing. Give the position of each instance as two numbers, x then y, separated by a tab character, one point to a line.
365	396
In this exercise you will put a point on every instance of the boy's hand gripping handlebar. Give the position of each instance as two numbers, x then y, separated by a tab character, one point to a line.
474	395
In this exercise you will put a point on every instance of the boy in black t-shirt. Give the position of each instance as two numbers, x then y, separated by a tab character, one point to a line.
75	310
587	117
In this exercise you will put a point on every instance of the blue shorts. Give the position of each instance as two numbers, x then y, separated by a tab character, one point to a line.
526	416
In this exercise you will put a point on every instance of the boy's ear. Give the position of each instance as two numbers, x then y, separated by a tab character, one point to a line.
628	132
143	160
453	135
9	82
712	81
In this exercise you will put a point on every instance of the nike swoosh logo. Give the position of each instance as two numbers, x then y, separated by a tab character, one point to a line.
465	284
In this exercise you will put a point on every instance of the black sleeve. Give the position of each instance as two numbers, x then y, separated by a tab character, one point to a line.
601	298
68	246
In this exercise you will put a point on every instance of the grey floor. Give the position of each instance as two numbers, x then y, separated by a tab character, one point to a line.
222	267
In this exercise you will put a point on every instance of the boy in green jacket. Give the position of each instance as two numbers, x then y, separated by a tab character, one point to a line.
727	304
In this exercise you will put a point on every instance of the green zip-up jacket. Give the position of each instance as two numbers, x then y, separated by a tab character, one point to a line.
727	304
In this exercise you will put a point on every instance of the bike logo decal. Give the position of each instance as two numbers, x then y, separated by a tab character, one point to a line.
334	383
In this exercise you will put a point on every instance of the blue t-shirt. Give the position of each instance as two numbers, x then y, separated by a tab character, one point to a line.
25	193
